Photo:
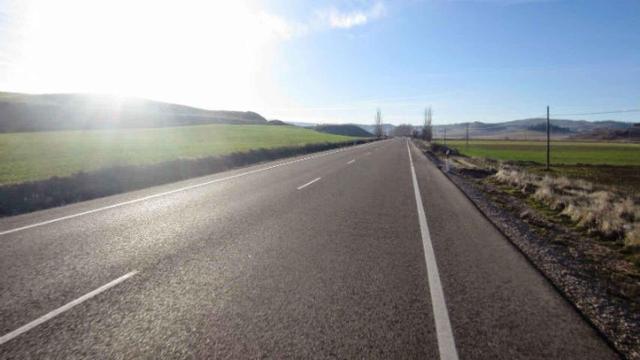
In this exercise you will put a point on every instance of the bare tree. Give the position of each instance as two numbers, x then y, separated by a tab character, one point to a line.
427	129
378	131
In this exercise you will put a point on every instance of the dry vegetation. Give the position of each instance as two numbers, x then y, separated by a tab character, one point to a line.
600	211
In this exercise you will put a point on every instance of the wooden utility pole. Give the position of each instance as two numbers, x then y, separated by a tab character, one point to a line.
445	136
548	139
467	137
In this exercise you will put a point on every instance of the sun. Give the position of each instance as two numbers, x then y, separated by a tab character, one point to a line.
197	52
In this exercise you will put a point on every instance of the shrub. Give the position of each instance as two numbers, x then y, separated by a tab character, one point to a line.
602	212
632	238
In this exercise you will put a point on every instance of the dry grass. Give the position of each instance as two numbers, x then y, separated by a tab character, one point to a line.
600	211
632	238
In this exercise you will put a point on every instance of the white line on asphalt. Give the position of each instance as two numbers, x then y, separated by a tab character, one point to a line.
446	342
307	184
60	310
351	161
173	191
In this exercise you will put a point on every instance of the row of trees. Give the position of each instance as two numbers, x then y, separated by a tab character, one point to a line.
378	131
406	129
427	129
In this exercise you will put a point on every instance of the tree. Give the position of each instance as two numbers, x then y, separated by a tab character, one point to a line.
427	129
403	130
378	131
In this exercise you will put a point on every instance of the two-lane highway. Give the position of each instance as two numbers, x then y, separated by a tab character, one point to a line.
326	255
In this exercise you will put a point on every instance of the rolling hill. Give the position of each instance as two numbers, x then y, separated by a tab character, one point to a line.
386	128
346	130
25	113
532	129
31	156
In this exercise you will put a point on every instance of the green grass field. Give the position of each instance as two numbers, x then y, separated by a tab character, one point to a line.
605	163
40	155
562	152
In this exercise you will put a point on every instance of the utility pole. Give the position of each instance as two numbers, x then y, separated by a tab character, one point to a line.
445	136
467	137
548	139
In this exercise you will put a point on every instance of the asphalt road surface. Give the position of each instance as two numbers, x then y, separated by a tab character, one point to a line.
343	254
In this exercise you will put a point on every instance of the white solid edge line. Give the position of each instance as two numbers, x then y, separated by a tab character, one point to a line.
446	342
309	183
351	161
5	232
60	310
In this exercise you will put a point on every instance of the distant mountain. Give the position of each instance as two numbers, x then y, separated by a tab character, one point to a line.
23	112
386	128
542	127
534	128
631	133
346	129
302	124
277	122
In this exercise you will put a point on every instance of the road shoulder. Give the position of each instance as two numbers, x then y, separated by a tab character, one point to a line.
500	305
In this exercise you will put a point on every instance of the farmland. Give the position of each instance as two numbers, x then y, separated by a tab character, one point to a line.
40	155
562	152
605	163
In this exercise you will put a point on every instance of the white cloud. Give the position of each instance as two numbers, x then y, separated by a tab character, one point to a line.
338	19
328	18
280	27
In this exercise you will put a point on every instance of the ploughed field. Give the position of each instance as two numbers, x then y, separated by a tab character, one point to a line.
41	155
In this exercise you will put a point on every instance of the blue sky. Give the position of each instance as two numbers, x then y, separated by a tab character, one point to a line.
336	61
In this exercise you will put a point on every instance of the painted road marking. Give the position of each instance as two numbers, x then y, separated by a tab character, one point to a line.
351	161
60	310
307	184
446	342
5	232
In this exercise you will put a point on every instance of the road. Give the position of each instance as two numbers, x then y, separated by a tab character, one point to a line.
342	254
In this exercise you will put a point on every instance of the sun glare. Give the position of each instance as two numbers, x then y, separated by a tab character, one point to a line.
198	52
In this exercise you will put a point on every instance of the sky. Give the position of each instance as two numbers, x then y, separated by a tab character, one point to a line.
331	61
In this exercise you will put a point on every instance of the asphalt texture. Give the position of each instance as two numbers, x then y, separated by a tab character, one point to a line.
252	267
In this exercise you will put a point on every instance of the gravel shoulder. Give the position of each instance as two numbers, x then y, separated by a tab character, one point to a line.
603	287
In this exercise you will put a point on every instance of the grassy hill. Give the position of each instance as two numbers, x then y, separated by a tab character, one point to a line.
346	130
39	155
23	112
386	128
